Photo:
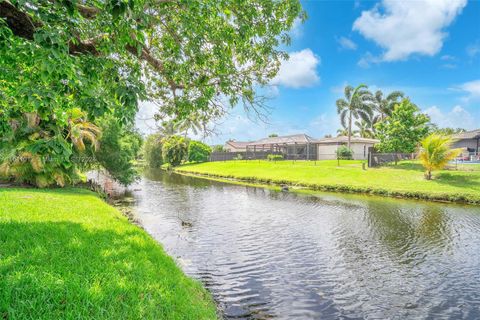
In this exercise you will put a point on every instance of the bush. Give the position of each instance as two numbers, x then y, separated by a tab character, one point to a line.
119	147
174	150
344	153
152	151
198	151
238	157
274	157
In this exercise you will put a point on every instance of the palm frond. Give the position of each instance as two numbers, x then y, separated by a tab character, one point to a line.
348	92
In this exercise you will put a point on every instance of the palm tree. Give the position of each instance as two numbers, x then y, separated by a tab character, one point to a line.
79	130
356	104
364	129
168	129
384	105
342	132
436	152
192	123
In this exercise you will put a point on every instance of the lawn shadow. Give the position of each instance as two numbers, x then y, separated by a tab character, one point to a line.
456	180
58	270
405	166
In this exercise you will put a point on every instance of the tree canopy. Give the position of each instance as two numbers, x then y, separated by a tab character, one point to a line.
194	59
189	56
403	130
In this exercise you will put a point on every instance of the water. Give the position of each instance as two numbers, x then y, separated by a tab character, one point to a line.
273	255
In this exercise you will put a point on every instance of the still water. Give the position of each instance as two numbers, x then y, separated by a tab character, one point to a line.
272	255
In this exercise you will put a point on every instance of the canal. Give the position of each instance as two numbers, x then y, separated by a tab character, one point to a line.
274	255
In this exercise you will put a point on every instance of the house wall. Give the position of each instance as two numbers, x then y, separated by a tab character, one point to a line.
465	143
329	151
360	150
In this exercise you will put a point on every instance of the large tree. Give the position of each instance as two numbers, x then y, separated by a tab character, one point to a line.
403	130
193	58
357	104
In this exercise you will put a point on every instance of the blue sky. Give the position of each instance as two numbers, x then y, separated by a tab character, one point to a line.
429	49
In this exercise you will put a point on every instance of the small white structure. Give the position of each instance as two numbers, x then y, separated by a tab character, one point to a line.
327	147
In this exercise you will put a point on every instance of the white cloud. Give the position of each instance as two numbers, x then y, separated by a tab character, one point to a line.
449	66
404	28
346	43
367	60
457	117
300	70
447	57
472	88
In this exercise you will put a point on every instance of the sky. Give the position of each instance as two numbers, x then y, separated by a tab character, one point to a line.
429	49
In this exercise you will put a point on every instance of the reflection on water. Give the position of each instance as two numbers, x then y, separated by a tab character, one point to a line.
266	254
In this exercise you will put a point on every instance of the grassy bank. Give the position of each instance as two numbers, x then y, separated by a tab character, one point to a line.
65	254
404	180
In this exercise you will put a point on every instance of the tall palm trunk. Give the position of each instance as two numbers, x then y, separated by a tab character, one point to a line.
349	128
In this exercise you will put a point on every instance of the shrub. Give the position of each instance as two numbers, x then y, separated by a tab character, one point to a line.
436	152
198	151
274	157
344	153
119	146
174	150
152	151
238	157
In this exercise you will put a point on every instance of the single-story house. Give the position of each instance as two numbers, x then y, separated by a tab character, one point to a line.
327	147
469	140
236	146
297	146
302	147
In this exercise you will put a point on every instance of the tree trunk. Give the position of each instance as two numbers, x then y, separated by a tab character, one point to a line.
349	129
428	175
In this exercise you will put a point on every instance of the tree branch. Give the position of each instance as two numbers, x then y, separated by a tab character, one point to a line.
23	26
87	12
19	22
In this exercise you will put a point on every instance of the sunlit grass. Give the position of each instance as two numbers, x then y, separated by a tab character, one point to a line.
406	178
65	254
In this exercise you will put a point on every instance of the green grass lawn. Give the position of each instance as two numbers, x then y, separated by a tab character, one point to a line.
65	254
406	179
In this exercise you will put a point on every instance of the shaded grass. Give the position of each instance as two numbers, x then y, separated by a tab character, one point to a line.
65	254
403	180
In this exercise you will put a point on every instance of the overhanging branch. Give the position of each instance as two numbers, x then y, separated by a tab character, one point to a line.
23	26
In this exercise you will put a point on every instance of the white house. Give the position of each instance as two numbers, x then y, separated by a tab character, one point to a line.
327	147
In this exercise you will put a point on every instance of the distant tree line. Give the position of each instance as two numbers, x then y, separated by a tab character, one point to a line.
170	148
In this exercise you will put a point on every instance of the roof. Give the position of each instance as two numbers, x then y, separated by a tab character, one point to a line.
238	144
292	139
344	139
474	134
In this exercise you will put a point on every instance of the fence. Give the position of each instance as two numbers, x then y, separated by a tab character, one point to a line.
226	156
263	155
470	157
379	159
